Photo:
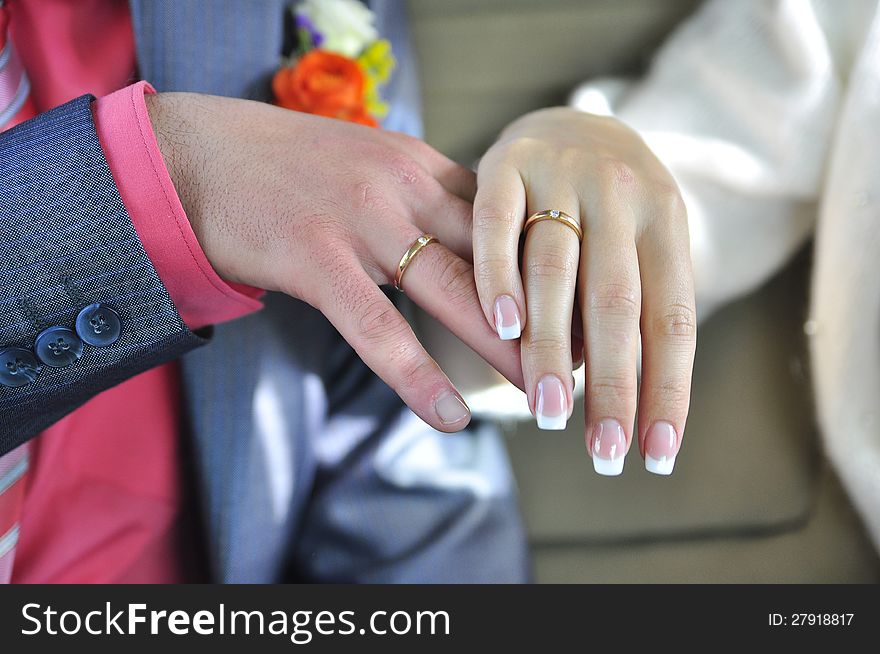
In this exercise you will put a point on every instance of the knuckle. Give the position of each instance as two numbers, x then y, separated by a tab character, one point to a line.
674	393
491	220
549	347
451	276
416	370
552	264
621	300
404	169
613	171
613	388
677	321
455	278
365	196
379	321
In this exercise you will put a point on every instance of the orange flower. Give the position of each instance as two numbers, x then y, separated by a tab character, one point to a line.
326	84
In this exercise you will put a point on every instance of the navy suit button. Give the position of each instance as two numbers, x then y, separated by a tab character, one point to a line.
58	346
98	325
18	367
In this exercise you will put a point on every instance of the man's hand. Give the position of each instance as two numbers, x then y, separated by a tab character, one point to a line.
323	210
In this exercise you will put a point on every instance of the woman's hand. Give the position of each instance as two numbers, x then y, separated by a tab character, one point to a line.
323	210
631	275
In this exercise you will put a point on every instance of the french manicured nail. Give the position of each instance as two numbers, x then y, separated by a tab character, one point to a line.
507	321
551	405
661	447
451	408
608	447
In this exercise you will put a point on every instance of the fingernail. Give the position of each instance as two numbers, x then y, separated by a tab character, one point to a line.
507	321
551	405
608	448
661	447
451	408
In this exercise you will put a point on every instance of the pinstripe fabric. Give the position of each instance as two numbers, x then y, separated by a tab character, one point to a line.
221	47
405	106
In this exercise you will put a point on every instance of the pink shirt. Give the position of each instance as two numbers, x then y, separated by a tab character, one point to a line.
104	503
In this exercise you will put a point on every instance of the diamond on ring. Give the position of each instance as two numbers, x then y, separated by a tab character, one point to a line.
557	215
422	241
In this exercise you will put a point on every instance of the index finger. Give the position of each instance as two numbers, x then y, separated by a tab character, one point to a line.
373	326
499	214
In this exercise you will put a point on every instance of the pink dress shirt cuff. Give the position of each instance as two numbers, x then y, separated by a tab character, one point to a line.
126	134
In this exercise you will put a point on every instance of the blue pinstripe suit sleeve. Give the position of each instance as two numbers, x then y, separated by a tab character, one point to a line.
66	241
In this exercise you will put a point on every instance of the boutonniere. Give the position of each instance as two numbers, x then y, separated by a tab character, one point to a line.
340	65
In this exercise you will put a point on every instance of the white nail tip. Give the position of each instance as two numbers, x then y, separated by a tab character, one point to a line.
662	466
608	467
509	333
551	423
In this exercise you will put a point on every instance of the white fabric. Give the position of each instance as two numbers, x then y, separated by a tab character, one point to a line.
768	115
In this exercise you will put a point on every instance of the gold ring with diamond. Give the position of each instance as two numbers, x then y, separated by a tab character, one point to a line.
558	216
421	242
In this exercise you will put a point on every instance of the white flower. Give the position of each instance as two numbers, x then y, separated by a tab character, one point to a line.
346	25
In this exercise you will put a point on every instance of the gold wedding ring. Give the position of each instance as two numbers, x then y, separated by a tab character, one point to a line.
558	216
421	242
